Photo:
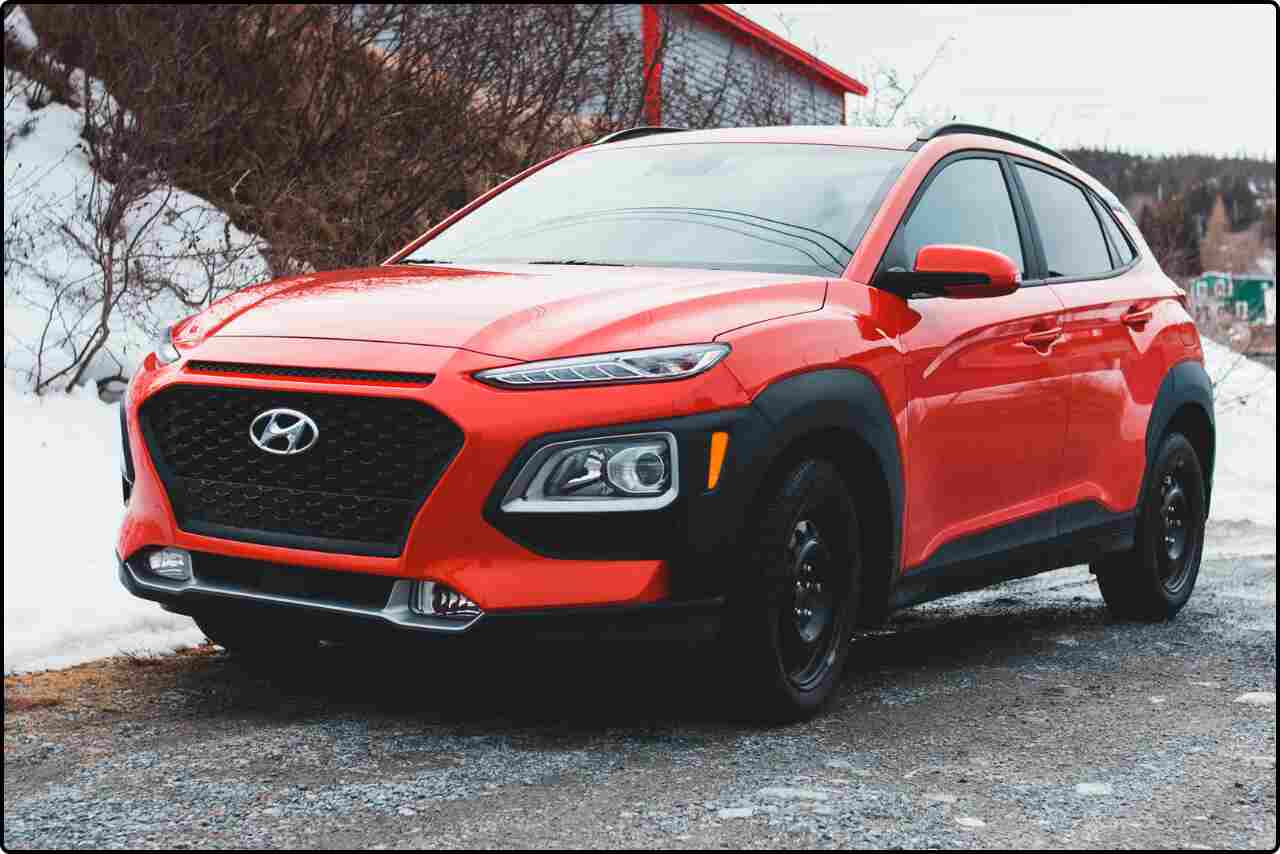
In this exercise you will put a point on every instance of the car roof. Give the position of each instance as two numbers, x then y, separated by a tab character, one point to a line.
946	138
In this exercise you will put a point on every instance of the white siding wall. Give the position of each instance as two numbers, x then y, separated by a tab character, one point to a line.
625	18
696	61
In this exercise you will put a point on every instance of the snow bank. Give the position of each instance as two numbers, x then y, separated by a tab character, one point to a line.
18	25
1244	483
62	602
48	186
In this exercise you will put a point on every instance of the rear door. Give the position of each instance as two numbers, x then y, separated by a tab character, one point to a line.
1108	326
988	399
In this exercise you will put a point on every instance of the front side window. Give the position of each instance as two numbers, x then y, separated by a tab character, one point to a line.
967	203
1073	243
784	208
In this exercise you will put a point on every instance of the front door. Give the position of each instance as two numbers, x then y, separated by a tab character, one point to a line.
988	398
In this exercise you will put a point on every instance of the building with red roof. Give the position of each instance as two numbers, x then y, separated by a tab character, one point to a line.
701	47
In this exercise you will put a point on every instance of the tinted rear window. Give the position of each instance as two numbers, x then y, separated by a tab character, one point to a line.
1069	229
739	206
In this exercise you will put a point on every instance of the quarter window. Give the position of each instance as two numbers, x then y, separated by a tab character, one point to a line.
1117	236
1073	243
968	204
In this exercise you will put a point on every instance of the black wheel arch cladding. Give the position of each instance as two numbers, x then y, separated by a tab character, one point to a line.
1185	402
847	401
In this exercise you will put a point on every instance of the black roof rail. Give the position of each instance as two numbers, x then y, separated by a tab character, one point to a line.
961	127
635	133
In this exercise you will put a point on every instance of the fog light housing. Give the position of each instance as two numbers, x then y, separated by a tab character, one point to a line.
429	599
611	473
173	564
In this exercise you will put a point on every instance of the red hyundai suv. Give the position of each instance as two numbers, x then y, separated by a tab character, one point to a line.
754	385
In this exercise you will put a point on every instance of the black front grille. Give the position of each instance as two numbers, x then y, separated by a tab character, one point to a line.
356	490
297	582
345	374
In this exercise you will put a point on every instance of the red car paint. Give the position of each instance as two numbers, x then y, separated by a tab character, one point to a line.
1003	407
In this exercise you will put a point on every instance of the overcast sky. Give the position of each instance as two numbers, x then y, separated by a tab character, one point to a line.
1143	78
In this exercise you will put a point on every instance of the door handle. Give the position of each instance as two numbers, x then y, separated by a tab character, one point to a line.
1137	318
1042	338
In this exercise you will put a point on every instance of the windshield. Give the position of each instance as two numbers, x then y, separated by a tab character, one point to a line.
782	208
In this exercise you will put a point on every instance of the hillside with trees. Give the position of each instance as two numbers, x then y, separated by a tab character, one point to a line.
1197	211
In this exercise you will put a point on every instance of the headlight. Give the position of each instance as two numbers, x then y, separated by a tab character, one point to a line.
663	363
638	472
165	352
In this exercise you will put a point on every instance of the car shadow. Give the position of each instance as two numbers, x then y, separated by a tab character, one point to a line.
563	685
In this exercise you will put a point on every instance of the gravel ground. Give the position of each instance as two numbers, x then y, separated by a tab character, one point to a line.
1022	716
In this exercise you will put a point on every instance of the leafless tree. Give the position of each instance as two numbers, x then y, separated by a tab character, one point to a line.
890	99
336	132
104	255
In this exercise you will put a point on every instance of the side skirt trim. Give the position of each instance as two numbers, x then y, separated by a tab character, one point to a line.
1077	533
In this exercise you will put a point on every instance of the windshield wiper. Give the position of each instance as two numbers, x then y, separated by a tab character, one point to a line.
580	263
422	261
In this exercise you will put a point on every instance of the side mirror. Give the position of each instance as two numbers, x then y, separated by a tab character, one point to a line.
961	272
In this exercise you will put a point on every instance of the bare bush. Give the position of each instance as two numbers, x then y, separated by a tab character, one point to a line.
117	250
890	100
1173	235
337	132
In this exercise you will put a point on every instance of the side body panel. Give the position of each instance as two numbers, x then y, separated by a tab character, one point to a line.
1092	485
1117	361
986	416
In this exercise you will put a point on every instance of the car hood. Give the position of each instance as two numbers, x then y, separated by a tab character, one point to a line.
512	311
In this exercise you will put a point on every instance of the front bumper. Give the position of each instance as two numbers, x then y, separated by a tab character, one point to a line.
514	568
688	620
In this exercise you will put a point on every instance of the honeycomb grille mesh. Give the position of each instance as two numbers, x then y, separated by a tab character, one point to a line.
357	489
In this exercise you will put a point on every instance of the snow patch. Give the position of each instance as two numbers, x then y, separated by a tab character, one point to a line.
18	27
1244	482
62	601
49	208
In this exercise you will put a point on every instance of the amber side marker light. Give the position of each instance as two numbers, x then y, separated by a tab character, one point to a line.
719	444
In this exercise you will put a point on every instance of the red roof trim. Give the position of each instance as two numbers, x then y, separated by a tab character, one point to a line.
816	66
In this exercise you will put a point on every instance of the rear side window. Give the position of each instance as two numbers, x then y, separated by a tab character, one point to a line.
967	203
1123	249
1069	229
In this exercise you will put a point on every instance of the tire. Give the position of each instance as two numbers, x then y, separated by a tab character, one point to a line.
248	638
790	622
1154	579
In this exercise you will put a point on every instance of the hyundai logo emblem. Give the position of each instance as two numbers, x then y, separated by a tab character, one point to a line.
283	431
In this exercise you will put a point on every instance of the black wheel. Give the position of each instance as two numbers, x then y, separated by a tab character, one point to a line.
252	638
791	617
1154	580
